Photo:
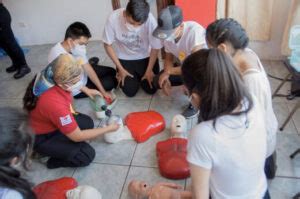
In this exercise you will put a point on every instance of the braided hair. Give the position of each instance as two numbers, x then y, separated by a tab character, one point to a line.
227	30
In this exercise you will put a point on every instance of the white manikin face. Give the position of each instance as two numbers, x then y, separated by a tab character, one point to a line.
122	133
83	192
178	126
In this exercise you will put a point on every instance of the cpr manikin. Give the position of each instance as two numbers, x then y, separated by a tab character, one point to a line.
172	153
122	133
83	192
65	188
162	190
179	126
140	126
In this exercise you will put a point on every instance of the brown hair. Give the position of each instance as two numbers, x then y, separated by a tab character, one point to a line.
212	75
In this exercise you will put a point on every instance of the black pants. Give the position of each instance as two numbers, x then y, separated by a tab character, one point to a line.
137	68
107	76
270	166
62	151
175	80
7	39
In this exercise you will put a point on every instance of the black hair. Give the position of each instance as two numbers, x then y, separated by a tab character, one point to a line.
16	141
77	30
212	75
138	10
29	99
227	30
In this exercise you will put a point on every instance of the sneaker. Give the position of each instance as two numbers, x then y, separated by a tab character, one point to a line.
94	61
11	69
190	112
24	70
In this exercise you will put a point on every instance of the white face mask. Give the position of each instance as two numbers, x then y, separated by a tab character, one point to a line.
76	87
132	28
79	50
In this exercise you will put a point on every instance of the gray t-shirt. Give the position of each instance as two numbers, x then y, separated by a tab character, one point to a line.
6	193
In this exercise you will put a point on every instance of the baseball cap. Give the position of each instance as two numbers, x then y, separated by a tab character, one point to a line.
169	19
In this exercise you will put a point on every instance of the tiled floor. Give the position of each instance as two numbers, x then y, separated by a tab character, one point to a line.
116	164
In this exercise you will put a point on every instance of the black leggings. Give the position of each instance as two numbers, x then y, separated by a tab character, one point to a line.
7	39
175	80
137	68
62	151
107	77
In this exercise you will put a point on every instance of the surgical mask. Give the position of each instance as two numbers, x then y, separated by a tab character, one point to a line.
79	50
172	37
76	87
132	28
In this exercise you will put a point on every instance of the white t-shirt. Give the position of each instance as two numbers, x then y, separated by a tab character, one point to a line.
234	154
57	50
130	45
259	86
9	194
193	35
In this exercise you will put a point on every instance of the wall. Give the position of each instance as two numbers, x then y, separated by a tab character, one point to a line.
45	21
271	50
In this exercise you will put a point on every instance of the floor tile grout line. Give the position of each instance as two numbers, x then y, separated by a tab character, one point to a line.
124	182
288	177
74	172
129	167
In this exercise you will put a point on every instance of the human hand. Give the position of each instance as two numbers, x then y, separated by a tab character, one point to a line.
122	74
149	75
163	78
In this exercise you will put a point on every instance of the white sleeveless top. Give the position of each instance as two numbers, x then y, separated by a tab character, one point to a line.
259	86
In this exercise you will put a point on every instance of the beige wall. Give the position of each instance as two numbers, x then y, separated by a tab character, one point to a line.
271	50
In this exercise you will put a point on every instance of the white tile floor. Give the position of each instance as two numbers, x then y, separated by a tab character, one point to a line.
115	165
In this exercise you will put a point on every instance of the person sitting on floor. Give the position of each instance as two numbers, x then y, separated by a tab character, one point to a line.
60	132
136	50
15	148
96	80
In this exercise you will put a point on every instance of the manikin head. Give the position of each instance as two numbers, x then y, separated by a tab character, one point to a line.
83	192
178	125
138	189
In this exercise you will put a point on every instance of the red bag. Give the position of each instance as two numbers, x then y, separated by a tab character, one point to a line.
171	155
55	189
143	125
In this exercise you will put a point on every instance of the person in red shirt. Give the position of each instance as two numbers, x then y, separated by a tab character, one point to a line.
60	132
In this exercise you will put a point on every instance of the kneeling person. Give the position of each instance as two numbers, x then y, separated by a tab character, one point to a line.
136	50
60	132
180	39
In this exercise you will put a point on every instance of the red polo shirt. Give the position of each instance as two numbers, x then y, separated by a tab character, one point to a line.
53	112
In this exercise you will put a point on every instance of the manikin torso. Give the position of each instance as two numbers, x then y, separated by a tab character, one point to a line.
83	192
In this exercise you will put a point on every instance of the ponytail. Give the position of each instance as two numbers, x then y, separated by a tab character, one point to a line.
29	99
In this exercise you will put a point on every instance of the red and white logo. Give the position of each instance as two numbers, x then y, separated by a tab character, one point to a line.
65	120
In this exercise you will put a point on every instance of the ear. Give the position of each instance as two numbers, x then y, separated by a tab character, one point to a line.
223	47
195	100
